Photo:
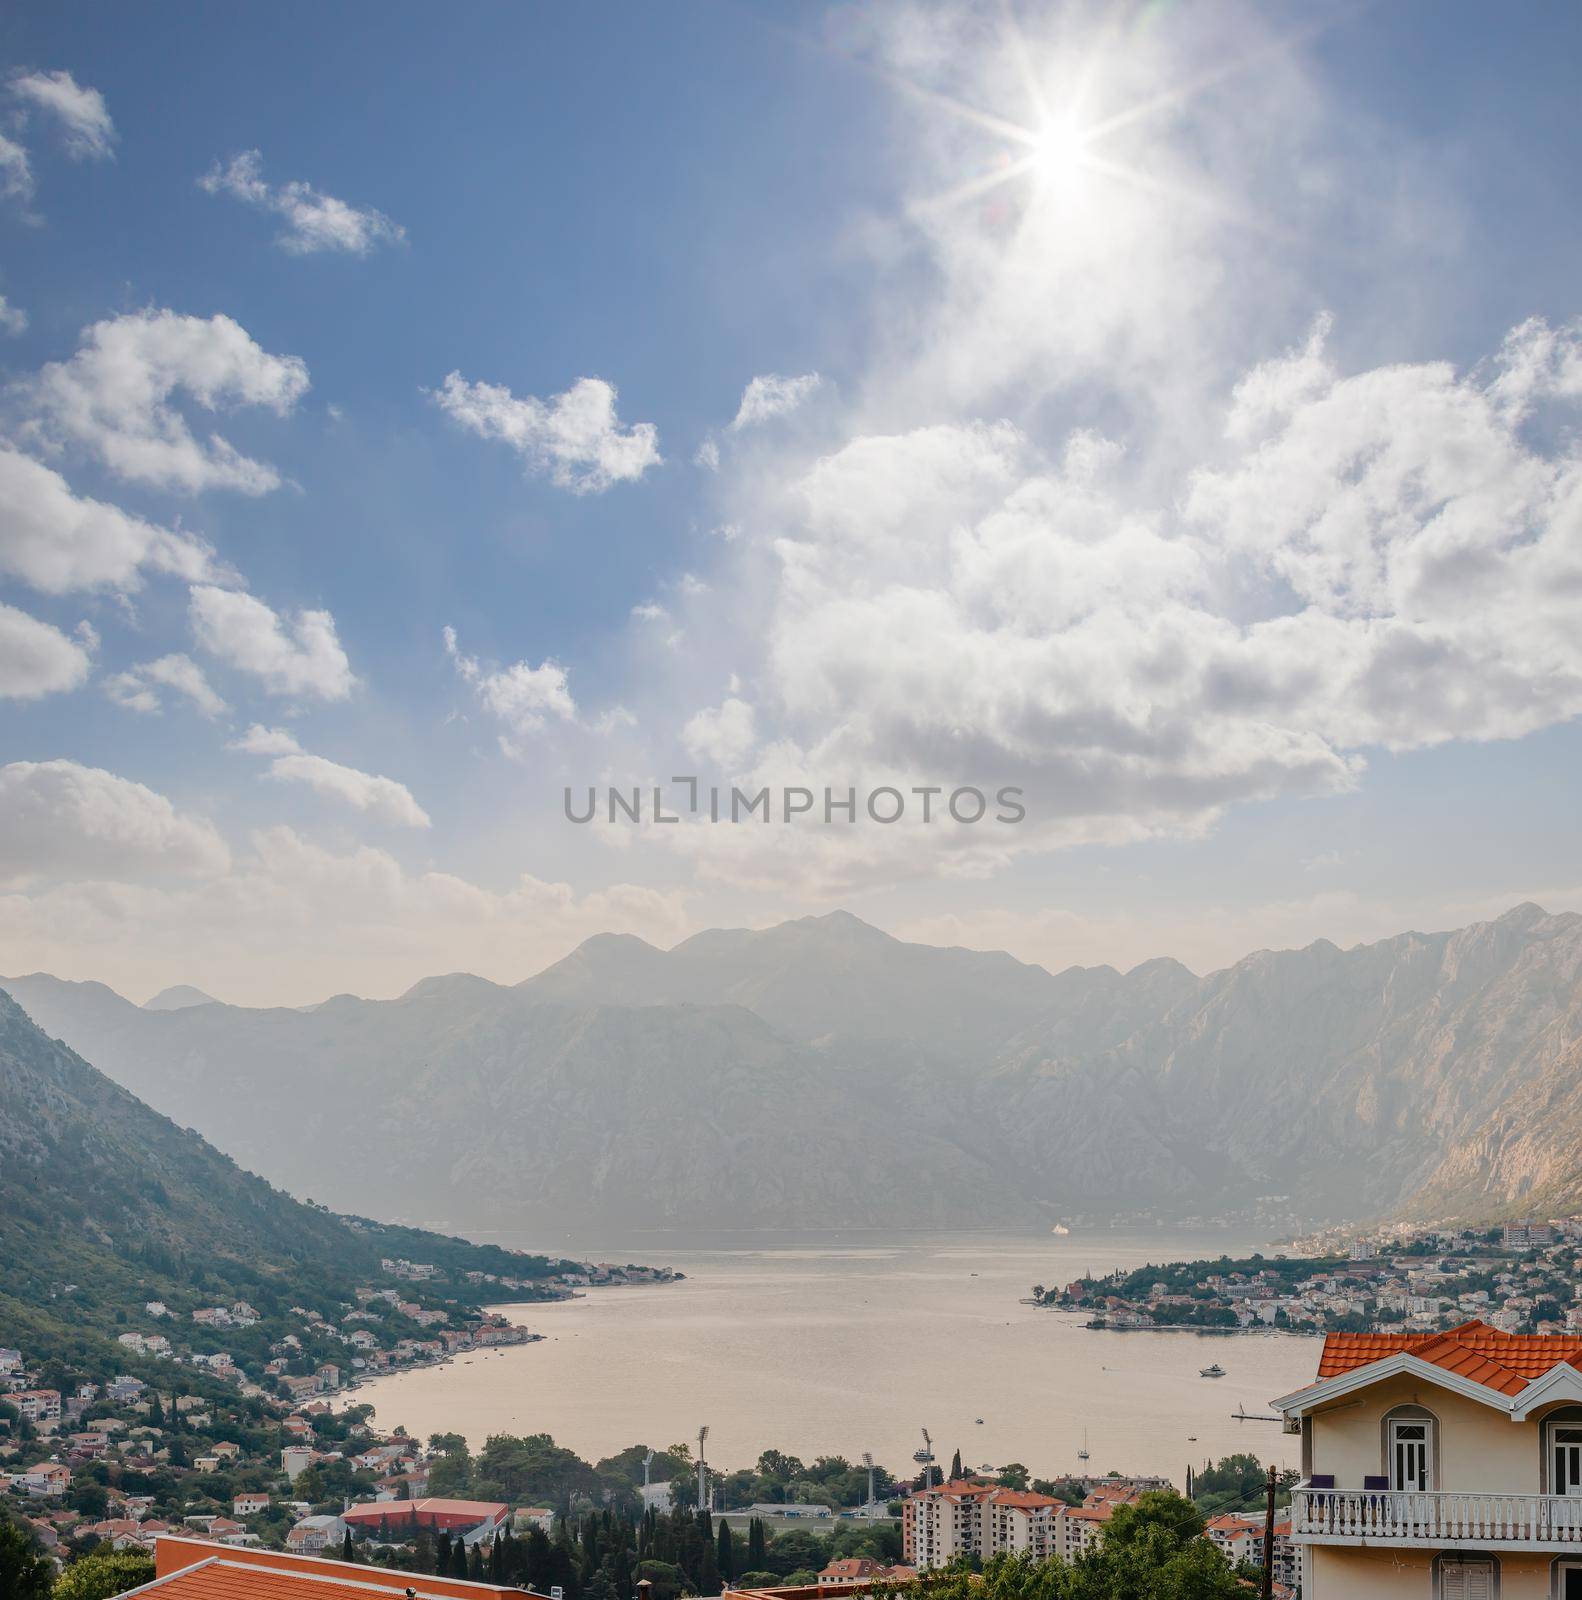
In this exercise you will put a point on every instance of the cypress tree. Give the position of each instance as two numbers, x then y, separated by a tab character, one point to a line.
475	1564
346	1546
725	1556
955	1466
442	1554
458	1559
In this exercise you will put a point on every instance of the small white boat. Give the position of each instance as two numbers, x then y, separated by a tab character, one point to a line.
1215	1371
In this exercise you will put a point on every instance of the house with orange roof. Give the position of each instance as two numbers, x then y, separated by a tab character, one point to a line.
191	1569
1443	1465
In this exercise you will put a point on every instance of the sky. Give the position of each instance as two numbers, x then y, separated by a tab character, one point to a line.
410	417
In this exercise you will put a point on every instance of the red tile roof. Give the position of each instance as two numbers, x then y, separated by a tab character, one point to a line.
189	1569
1504	1362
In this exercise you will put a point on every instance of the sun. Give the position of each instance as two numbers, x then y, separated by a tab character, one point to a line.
1059	150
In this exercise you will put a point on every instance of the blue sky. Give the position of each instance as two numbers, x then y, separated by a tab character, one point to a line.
1000	518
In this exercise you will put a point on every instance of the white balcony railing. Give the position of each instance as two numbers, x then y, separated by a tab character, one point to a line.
1406	1516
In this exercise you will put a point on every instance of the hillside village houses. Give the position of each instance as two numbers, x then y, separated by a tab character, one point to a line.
1522	1278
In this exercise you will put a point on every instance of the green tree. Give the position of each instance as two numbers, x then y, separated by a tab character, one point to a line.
1158	1509
24	1572
725	1555
102	1573
1013	1476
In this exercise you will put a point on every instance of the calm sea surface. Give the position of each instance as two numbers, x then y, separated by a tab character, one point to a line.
840	1345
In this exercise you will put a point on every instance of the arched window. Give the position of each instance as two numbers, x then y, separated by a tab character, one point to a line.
1561	1471
1411	1448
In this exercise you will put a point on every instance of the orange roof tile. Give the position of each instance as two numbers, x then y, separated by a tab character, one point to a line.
189	1569
1504	1362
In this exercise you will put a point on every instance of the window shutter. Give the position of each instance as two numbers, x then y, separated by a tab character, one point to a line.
1466	1580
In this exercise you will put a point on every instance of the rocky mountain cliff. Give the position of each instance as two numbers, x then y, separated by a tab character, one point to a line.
821	1074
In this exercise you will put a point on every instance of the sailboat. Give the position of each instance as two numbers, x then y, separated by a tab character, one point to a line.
1082	1454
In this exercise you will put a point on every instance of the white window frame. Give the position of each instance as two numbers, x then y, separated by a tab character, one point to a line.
1427	1444
1552	1444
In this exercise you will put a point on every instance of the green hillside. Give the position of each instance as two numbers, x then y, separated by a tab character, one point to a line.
105	1205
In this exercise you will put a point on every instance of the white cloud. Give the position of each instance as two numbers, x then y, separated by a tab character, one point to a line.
113	398
379	797
81	113
297	656
292	922
1391	559
770	396
262	741
521	696
16	171
575	437
314	221
62	820
723	734
13	319
36	659
137	688
708	454
56	541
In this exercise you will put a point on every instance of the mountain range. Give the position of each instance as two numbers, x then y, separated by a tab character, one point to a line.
822	1074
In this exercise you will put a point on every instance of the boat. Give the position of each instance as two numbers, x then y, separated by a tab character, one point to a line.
1215	1371
1060	1228
978	1420
1082	1454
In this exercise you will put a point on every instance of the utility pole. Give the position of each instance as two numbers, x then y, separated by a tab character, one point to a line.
1266	1587
703	1471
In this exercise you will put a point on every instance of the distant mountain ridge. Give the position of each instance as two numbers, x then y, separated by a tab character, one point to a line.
822	1073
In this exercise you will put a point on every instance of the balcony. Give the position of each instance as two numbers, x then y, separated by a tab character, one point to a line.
1435	1519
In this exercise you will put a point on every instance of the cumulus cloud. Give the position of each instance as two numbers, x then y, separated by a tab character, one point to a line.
138	687
575	438
770	396
56	541
78	111
383	798
61	820
294	922
1386	559
523	697
314	221
113	398
36	659
13	319
298	655
723	735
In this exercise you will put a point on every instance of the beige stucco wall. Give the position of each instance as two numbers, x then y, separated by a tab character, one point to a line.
1480	1449
1387	1574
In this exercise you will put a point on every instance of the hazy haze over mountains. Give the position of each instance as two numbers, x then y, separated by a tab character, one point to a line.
822	1073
